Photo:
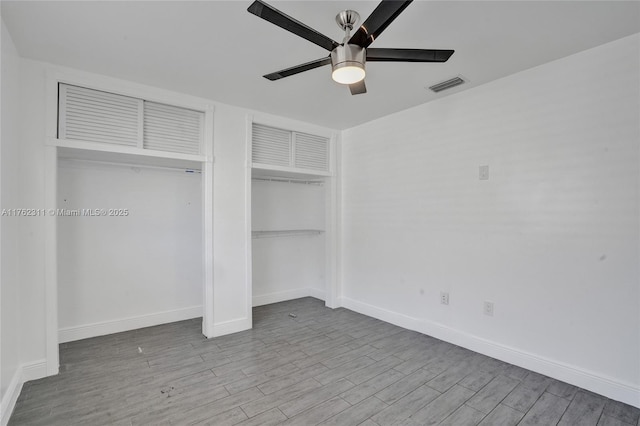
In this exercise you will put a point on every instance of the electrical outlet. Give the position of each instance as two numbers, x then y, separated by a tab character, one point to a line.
484	173
444	298
488	308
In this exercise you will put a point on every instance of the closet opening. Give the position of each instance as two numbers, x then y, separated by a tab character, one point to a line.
130	252
293	212
129	179
288	237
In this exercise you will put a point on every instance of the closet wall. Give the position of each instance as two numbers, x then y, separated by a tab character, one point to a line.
122	272
288	251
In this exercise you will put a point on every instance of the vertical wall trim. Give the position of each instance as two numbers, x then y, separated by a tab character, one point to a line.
207	226
1	286
331	228
248	221
337	201
51	260
51	243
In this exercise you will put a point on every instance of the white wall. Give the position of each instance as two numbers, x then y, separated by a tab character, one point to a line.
292	266
9	226
231	191
124	272
32	178
551	238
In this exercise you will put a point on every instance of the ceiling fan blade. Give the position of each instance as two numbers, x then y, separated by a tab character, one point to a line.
298	69
358	88
380	18
408	55
273	15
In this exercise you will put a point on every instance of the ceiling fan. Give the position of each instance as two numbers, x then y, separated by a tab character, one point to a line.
348	58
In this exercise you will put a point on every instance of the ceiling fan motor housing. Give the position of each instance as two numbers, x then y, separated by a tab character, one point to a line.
347	55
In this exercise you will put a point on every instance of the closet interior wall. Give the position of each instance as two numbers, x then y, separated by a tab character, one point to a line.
139	265
288	244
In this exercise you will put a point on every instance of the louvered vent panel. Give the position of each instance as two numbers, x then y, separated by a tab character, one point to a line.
95	116
270	145
172	129
312	152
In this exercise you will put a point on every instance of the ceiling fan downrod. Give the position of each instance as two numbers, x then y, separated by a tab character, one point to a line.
346	20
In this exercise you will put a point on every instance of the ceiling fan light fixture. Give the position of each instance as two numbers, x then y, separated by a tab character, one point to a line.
347	64
348	74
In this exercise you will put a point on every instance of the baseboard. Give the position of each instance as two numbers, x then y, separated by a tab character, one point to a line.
11	396
242	324
24	373
232	326
281	296
317	293
70	334
607	386
34	370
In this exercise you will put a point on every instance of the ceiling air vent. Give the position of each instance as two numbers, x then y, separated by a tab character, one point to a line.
456	81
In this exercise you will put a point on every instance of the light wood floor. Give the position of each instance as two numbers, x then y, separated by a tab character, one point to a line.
330	367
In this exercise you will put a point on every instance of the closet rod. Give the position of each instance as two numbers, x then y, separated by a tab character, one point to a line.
128	164
289	180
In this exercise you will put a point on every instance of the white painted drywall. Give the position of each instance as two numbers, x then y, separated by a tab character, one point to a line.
551	238
10	225
292	266
230	230
148	262
32	243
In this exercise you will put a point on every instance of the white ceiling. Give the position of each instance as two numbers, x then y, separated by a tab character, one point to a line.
217	50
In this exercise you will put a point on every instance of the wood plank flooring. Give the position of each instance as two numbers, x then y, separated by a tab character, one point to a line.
323	367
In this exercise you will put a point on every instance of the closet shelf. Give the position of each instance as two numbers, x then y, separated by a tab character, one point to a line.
288	180
286	233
